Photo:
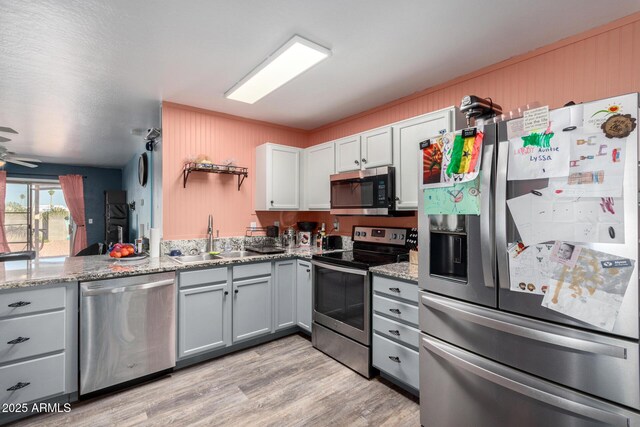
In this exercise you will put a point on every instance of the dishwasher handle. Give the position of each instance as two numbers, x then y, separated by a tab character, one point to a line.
132	288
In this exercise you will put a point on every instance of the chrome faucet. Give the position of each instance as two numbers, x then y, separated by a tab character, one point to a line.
210	234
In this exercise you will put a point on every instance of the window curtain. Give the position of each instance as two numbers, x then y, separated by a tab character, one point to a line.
4	246
73	191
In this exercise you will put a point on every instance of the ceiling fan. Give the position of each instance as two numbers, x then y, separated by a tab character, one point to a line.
6	130
7	156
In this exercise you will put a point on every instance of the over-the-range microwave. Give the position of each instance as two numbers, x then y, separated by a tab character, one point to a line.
365	192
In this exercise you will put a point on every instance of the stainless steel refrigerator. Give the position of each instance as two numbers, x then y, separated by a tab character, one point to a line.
490	356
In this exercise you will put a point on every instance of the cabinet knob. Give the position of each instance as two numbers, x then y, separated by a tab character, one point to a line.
364	160
356	162
19	304
235	292
272	203
397	199
226	292
308	270
18	386
18	340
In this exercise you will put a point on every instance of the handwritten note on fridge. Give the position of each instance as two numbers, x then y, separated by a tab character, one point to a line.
536	119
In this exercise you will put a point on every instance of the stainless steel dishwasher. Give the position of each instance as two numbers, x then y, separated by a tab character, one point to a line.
127	329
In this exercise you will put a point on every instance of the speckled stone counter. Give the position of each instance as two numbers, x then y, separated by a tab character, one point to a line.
22	274
400	270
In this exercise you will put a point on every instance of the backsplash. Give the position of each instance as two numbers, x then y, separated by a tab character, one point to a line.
226	244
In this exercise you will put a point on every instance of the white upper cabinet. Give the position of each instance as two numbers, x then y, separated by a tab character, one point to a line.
348	154
320	165
277	177
376	148
406	151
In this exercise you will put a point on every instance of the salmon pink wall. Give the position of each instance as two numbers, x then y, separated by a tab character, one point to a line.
599	63
188	132
595	64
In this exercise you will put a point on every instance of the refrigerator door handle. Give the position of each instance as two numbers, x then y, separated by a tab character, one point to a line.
487	253
580	409
501	215
563	341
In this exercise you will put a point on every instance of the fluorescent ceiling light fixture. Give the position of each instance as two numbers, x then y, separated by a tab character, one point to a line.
294	58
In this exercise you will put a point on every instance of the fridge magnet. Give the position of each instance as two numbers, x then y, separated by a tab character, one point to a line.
597	113
529	268
543	216
565	253
539	155
592	290
619	126
596	167
458	199
432	161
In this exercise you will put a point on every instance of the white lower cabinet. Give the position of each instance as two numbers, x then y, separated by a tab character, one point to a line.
252	305
303	295
285	294
396	333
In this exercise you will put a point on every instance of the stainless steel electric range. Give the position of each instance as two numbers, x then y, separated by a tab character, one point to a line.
342	294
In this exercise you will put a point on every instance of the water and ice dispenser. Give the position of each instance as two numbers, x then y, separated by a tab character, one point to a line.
448	249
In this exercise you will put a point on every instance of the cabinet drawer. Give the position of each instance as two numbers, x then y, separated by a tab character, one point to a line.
397	330
31	335
202	277
251	270
31	301
396	288
35	379
396	309
396	360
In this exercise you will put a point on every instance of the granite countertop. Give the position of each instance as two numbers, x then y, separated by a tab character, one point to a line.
399	270
23	274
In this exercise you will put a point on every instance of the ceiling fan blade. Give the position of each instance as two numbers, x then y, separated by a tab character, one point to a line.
3	139
7	130
24	159
18	162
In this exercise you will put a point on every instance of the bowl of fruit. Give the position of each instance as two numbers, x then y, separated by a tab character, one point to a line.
125	252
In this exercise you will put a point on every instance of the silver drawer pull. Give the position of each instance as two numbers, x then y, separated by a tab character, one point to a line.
18	386
19	304
395	310
395	359
396	290
394	332
18	340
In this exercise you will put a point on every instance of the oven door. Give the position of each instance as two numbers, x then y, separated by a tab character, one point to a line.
365	192
342	300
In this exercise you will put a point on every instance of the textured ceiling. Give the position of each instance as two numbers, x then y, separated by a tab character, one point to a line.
77	76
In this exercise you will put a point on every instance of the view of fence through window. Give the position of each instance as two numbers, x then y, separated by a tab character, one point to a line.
37	218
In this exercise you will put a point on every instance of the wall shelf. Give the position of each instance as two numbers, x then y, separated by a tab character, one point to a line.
240	172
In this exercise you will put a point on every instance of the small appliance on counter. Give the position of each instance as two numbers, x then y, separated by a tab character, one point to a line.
332	242
289	238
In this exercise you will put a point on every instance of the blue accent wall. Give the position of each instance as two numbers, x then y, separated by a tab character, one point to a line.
97	181
141	195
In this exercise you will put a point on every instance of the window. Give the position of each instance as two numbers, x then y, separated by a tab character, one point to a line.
37	218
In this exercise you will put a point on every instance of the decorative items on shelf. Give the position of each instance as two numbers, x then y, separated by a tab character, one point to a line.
189	167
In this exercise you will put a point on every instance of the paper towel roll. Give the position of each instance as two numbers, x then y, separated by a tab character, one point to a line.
154	242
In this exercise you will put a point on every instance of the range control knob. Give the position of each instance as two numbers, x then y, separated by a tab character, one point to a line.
402	237
364	234
357	233
394	237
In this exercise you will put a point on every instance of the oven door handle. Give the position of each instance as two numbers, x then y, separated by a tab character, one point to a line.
340	268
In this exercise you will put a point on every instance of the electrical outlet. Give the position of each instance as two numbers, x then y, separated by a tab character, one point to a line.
252	224
90	221
336	225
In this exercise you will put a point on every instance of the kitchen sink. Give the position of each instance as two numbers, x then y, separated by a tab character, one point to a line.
188	259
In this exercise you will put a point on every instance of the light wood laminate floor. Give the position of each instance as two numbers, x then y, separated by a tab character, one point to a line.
282	383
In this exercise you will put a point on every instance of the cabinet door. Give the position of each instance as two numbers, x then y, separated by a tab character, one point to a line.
348	154
285	293
204	319
284	177
377	148
251	308
303	295
321	164
406	137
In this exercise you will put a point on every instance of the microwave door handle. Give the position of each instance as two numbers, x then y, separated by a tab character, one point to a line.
487	253
501	215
